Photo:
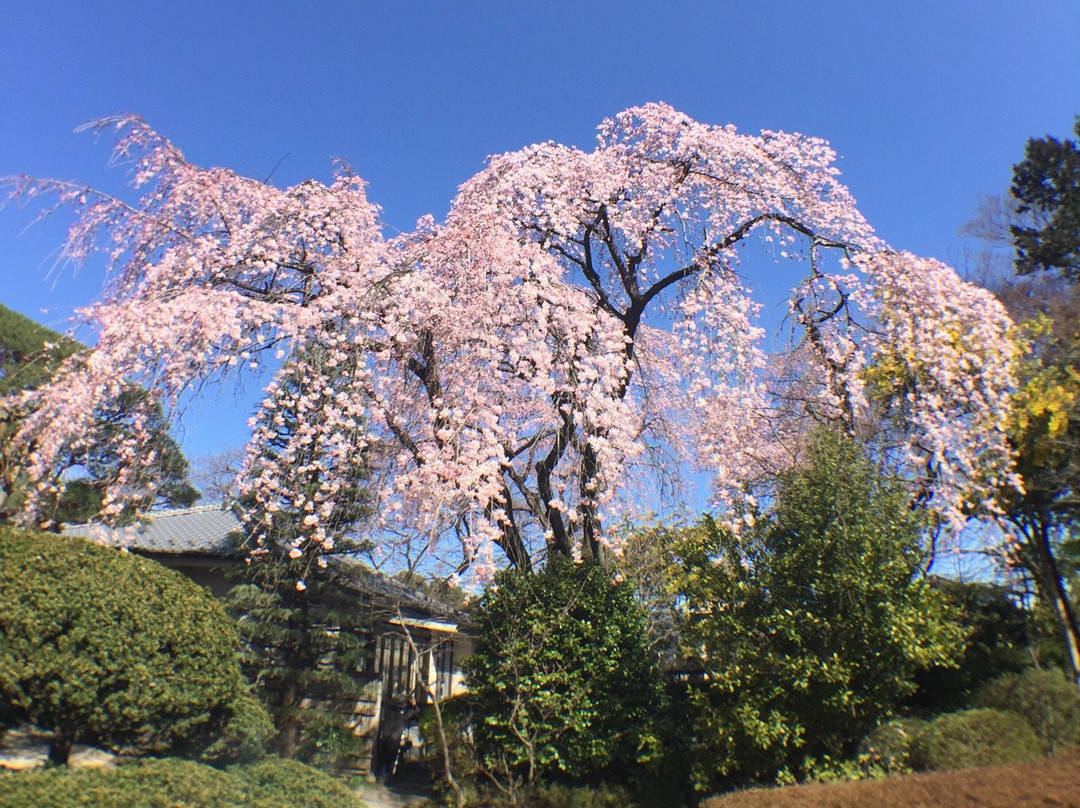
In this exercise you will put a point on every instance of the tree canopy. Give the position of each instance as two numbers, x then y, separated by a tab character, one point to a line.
104	647
1039	222
810	626
30	355
1047	185
576	332
562	682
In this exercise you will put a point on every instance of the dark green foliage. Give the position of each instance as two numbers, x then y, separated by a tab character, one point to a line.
29	352
562	683
888	746
457	716
479	791
302	622
108	648
1047	184
558	795
997	643
30	355
170	783
246	736
1045	698
975	738
304	650
808	628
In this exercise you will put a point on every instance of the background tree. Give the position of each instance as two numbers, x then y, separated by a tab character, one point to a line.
305	635
562	684
1046	434
1046	183
30	355
648	562
108	648
810	624
1040	223
215	475
999	641
574	331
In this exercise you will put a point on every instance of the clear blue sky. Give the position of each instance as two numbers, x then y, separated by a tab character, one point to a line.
928	103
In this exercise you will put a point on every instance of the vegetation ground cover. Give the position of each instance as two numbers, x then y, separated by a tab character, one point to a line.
167	783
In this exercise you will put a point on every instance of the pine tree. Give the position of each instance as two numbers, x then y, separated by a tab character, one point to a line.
30	355
302	623
1047	185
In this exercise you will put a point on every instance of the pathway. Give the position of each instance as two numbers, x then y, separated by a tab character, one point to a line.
407	790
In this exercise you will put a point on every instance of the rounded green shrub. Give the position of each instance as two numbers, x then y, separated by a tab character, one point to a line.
562	681
888	746
1046	698
104	647
278	783
971	738
167	783
246	735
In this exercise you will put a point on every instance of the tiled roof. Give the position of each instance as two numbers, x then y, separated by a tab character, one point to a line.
207	530
203	530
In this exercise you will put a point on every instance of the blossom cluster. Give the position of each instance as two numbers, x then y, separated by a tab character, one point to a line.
576	328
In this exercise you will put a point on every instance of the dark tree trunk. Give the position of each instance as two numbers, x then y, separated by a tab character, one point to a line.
1052	591
288	722
60	749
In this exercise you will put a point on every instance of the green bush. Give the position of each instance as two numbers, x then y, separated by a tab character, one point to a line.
809	624
108	648
169	783
999	643
888	746
971	738
278	783
246	736
1046	698
562	677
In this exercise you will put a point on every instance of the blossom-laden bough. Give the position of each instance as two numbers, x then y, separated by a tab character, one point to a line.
575	332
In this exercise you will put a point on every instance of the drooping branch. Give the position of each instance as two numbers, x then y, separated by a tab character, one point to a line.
512	363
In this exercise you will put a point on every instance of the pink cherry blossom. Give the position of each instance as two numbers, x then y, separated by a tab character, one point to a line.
576	332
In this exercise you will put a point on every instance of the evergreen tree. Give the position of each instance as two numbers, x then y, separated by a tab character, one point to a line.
1040	221
1047	431
1047	184
30	355
562	681
109	648
302	624
809	624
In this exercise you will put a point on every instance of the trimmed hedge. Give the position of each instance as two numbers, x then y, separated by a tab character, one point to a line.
888	745
1046	698
975	738
168	783
107	648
